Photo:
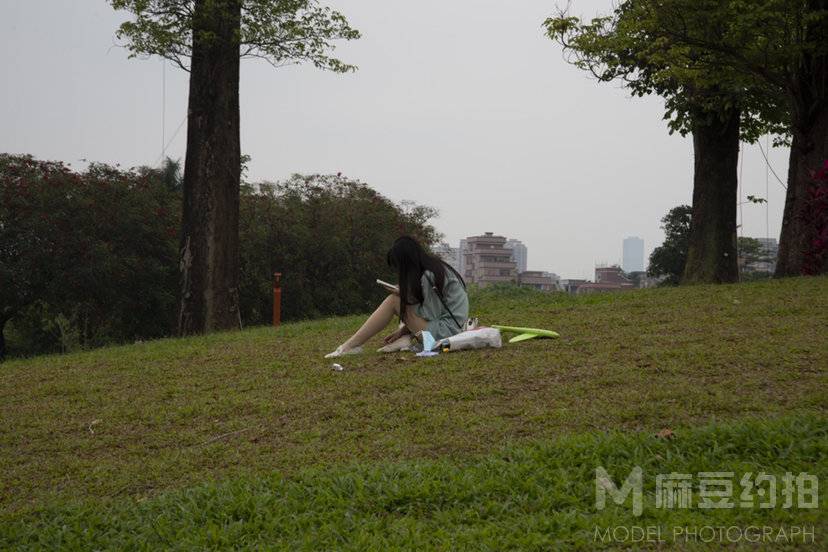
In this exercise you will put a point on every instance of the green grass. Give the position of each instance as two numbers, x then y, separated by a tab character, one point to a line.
124	426
529	497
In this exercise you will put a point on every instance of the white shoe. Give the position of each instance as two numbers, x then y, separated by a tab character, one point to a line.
339	352
400	344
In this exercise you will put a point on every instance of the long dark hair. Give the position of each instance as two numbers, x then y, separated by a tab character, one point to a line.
410	260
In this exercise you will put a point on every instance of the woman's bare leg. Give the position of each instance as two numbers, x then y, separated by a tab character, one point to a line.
375	323
413	322
380	318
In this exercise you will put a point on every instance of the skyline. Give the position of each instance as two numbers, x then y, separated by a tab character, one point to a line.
499	135
458	246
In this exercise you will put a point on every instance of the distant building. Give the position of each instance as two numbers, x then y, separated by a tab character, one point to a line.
762	260
486	260
642	280
611	275
633	259
449	254
464	246
770	252
556	279
519	254
594	287
571	285
537	279
607	278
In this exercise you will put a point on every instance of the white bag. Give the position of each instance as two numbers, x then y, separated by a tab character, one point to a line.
472	339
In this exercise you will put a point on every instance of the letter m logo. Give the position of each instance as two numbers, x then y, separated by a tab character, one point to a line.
633	484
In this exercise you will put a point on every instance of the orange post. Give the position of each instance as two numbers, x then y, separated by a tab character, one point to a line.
277	298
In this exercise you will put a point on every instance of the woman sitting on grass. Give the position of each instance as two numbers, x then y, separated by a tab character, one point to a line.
430	295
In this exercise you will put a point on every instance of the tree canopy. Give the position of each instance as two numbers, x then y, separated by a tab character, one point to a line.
282	32
629	45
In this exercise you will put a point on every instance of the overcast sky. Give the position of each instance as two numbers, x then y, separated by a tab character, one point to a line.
462	105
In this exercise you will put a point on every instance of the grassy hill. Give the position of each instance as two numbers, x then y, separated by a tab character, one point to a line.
252	436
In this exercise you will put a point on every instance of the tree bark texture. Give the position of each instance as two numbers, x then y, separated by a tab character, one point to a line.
209	255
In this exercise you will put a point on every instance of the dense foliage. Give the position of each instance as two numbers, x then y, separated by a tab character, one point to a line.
91	258
668	258
85	258
816	217
328	235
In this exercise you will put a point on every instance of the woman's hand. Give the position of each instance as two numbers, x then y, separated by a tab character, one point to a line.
396	335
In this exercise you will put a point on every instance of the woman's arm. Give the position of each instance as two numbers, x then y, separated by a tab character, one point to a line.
401	331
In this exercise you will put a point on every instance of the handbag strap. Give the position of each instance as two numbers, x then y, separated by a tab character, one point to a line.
443	301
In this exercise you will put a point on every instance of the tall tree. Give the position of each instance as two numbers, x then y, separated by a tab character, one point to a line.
718	106
207	38
784	44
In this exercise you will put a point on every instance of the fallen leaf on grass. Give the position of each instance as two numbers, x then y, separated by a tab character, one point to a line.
665	433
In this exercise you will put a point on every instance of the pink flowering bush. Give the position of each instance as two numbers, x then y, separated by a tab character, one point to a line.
816	218
86	258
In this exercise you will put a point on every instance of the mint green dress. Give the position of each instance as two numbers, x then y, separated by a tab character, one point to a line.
440	323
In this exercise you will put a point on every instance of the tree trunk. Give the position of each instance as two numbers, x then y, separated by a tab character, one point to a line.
711	254
809	151
2	339
209	257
